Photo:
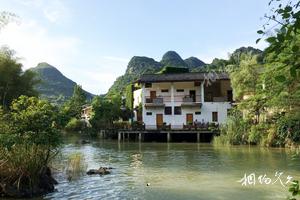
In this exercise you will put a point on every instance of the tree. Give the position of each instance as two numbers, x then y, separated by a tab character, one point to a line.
29	141
13	81
286	18
105	111
73	107
32	121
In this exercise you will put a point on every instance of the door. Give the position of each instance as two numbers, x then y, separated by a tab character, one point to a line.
189	119
229	95
193	95
215	116
152	94
159	120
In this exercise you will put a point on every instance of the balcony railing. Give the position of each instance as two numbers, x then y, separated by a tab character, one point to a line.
155	102
176	98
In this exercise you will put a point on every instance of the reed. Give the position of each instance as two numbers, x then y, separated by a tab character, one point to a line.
76	166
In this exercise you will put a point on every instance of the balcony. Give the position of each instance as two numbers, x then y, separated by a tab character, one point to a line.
155	102
191	101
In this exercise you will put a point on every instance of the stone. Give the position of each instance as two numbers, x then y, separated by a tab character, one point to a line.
100	171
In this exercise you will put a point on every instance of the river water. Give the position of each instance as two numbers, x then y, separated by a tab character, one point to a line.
176	171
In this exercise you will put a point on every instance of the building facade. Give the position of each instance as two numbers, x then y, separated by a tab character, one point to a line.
181	99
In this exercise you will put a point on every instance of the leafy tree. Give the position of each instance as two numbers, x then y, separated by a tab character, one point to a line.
29	140
73	107
13	81
105	111
285	16
32	121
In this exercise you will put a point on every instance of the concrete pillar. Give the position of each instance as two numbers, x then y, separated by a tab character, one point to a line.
168	137
198	137
172	103
143	101
202	91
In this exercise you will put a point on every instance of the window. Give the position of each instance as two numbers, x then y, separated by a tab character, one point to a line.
148	113
165	90
197	83
215	116
180	90
168	110
177	110
148	85
198	113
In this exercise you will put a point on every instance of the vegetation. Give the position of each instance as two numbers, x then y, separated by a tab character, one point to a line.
54	86
139	65
267	87
13	81
29	140
172	70
70	112
75	166
105	111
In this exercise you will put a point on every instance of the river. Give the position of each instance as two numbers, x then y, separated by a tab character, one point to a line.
176	171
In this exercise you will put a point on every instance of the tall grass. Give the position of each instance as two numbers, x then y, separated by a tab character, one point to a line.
21	166
76	166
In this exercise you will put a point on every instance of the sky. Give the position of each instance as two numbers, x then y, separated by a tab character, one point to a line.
92	41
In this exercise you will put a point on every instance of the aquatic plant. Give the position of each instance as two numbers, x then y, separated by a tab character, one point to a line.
76	166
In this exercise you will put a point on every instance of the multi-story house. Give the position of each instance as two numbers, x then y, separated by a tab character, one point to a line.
182	98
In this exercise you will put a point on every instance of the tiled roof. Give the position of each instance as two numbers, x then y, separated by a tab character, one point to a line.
181	77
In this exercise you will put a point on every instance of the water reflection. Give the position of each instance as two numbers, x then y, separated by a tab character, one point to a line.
175	171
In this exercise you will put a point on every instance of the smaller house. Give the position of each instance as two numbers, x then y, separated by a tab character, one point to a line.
86	113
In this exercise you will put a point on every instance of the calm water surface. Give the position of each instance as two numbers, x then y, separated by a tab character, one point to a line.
174	171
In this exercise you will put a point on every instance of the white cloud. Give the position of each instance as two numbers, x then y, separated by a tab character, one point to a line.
33	43
54	10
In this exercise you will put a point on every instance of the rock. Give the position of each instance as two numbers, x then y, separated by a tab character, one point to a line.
85	142
148	184
44	185
100	171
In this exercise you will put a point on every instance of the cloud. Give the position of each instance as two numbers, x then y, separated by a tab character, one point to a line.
54	11
34	44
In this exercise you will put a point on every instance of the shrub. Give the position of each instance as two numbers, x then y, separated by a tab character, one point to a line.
288	130
255	134
234	132
75	125
27	146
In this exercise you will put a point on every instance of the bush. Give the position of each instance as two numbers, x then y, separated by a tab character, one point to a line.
234	132
27	146
75	125
288	130
255	134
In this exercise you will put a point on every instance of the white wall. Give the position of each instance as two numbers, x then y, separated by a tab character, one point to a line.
137	99
173	98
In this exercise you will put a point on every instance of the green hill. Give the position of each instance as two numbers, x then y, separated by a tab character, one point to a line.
139	65
54	86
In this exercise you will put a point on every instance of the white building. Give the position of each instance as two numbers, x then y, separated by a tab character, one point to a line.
180	99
